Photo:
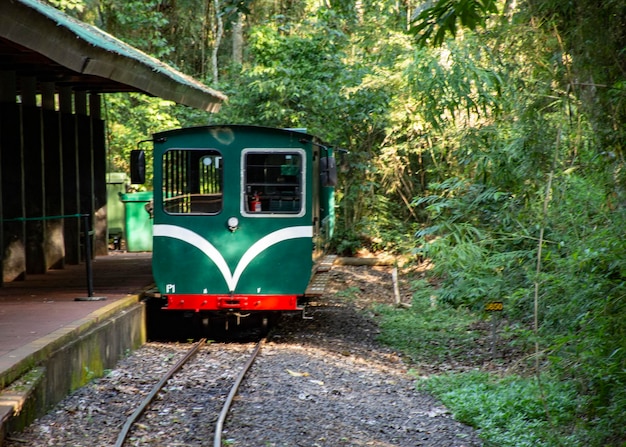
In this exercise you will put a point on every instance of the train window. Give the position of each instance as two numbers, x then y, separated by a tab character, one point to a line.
192	181
273	181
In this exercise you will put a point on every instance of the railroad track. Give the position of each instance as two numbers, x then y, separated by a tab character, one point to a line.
217	440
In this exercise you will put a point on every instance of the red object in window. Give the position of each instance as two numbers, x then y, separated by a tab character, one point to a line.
255	204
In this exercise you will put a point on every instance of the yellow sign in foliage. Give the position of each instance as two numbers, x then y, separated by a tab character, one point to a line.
494	306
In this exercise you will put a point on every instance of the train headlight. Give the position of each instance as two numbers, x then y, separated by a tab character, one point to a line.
233	223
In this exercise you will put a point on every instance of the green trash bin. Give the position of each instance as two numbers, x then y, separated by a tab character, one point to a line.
138	221
116	185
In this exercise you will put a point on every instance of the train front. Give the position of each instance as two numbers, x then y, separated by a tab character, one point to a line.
233	218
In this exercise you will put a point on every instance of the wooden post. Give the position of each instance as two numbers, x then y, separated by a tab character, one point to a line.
33	161
85	155
101	244
71	204
12	174
396	289
54	200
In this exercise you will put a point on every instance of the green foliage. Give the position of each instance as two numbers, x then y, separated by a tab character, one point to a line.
349	294
478	255
435	20
346	242
299	77
68	5
289	78
132	118
484	210
445	334
582	305
140	23
512	411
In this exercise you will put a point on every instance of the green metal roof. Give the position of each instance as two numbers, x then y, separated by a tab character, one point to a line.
83	55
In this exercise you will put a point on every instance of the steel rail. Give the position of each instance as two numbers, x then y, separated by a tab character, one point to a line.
217	441
150	397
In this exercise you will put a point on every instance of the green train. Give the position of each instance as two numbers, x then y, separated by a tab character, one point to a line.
241	216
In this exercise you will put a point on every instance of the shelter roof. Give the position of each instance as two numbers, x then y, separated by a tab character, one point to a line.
39	40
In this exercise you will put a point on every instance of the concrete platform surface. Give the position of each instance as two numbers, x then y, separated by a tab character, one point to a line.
43	308
43	304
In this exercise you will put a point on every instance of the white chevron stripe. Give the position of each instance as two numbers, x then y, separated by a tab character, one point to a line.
194	239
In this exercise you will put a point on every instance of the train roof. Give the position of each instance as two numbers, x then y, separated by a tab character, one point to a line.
298	132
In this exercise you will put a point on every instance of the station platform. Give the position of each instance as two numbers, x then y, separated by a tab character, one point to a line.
43	315
43	304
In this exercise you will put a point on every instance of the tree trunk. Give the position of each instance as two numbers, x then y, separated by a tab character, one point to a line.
238	39
219	32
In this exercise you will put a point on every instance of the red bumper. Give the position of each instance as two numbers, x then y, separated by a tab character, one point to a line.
198	303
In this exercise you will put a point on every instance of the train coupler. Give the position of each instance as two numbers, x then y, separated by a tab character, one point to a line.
304	315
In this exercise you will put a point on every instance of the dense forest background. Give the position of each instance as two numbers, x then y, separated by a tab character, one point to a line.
487	136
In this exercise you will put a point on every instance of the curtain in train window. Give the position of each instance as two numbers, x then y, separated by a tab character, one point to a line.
192	181
273	182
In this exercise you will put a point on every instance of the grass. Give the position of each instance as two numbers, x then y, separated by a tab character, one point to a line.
510	411
444	333
507	409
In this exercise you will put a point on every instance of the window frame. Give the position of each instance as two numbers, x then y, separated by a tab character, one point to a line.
189	196
273	213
